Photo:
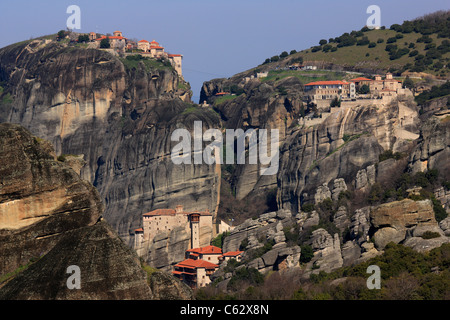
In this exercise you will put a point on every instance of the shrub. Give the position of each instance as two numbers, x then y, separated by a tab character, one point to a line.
306	254
308	207
372	45
391	40
274	59
430	235
413	53
104	44
284	54
364	41
388	154
83	38
364	89
408	83
248	275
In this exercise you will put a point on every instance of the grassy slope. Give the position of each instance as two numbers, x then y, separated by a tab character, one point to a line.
378	57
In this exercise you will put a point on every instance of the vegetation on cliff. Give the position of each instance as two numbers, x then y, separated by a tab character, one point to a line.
405	275
420	45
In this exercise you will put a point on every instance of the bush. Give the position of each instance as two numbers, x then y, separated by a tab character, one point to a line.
364	89
274	59
83	38
306	254
249	275
408	83
308	207
430	235
391	40
364	41
104	44
284	54
413	53
388	154
372	45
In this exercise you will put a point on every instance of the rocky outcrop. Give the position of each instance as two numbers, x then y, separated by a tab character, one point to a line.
365	177
119	116
268	227
327	251
407	221
164	286
344	143
50	221
261	105
433	150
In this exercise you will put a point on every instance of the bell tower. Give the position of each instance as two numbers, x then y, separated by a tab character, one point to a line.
195	230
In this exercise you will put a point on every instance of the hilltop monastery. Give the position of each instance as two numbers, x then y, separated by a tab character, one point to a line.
151	49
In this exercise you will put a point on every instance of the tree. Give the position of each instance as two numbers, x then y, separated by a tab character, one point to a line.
61	34
322	42
284	54
104	44
306	254
293	51
274	59
83	38
364	89
408	83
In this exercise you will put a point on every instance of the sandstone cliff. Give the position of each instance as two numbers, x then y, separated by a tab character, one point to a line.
119	115
50	219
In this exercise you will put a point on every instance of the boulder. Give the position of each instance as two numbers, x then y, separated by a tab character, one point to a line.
322	193
392	220
327	251
423	245
445	226
340	219
339	186
312	220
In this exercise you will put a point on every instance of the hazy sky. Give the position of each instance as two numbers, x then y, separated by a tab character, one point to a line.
216	38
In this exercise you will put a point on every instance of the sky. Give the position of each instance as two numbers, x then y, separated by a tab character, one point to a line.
216	38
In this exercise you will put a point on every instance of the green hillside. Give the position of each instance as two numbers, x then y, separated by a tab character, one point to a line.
421	45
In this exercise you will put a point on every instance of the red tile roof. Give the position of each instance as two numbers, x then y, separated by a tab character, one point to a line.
143	41
221	93
156	47
175	55
110	37
326	83
191	263
232	253
139	230
360	79
206	250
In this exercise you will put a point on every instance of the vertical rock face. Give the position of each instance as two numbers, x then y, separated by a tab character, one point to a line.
120	117
261	106
49	221
433	149
40	198
344	143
